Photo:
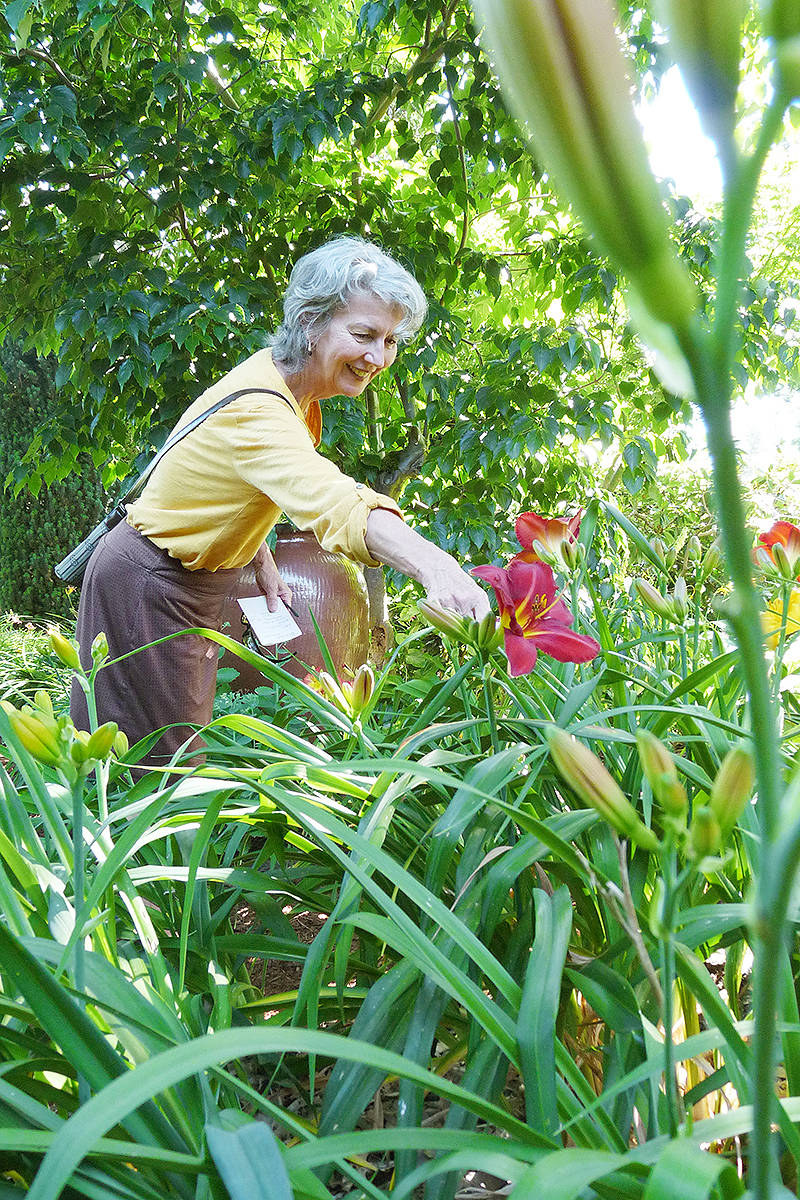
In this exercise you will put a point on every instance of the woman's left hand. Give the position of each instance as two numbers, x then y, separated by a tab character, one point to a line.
270	580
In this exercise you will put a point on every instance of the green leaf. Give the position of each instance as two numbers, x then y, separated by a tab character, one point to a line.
684	1170
121	1097
65	99
565	1174
16	11
539	1007
249	1160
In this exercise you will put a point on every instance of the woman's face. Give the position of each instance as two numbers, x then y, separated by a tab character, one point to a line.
358	343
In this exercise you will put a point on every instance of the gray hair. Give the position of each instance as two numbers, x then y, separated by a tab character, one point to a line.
325	280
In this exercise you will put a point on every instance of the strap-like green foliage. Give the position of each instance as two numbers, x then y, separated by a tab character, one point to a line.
36	531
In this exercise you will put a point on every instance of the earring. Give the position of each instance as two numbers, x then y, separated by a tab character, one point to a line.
309	347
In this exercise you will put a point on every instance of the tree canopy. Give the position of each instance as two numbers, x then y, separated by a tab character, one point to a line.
164	163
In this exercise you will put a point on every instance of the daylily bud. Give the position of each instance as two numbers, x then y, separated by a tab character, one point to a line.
705	835
762	558
705	36
43	702
661	773
563	71
782	26
79	750
589	779
66	650
447	621
732	788
37	738
572	553
546	553
100	648
680	599
489	634
694	551
102	740
786	569
712	559
655	909
652	599
331	689
363	687
121	743
660	549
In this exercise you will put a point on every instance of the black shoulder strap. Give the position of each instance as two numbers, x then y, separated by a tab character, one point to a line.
175	437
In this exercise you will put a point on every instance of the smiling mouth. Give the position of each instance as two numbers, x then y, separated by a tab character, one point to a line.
359	374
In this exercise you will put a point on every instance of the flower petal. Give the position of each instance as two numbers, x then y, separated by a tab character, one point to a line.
497	577
781	531
521	654
567	646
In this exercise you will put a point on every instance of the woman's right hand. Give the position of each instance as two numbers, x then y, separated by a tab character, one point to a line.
394	543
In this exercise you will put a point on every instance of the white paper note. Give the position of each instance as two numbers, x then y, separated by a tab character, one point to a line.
269	627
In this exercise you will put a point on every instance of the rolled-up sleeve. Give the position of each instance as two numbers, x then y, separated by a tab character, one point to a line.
274	453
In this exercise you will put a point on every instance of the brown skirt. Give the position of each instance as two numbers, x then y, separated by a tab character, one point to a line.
136	593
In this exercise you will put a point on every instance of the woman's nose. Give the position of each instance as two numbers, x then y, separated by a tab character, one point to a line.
376	355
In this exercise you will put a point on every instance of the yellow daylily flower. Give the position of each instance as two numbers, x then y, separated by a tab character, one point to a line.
772	618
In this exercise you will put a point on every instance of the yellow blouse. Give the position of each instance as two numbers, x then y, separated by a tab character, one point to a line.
215	496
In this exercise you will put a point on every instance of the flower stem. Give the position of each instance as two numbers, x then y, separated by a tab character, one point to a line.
489	702
713	389
78	892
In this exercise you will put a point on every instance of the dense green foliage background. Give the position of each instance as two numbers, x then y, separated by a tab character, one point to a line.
163	164
37	528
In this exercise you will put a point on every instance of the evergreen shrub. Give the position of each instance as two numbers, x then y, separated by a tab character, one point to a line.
36	531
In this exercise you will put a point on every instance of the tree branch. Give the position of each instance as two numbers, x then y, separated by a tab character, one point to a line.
43	56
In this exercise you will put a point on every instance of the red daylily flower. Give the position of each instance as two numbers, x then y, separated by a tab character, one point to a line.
532	616
551	535
786	535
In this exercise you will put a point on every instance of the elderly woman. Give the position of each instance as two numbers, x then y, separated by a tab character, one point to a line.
211	501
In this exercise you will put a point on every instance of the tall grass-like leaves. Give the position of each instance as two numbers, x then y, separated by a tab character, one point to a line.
536	1024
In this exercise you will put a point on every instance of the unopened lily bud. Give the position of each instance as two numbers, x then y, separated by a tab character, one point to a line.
100	648
705	835
546	553
43	702
565	76
661	773
786	569
762	558
331	689
680	599
447	621
572	553
102	740
712	559
79	750
660	549
732	788
782	27
39	739
64	649
781	19
694	551
121	743
705	36
652	599
363	687
489	634
787	60
589	779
